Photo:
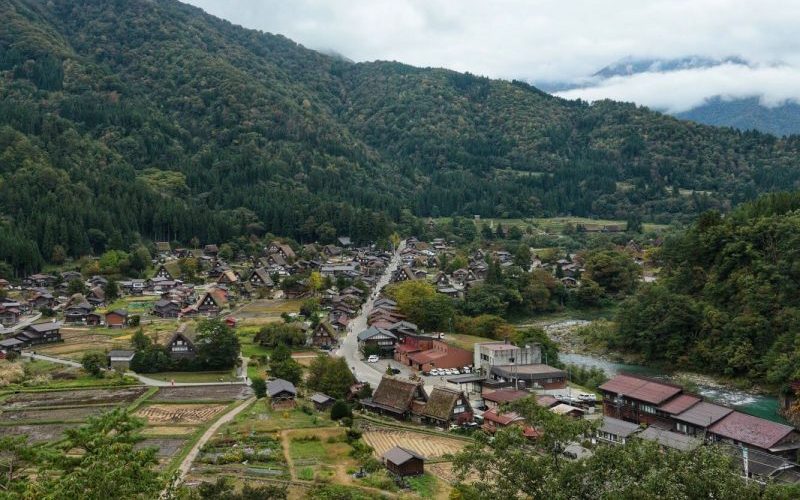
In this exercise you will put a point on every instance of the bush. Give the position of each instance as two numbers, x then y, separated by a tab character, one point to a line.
134	320
259	386
93	363
339	410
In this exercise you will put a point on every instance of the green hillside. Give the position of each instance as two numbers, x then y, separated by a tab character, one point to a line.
129	120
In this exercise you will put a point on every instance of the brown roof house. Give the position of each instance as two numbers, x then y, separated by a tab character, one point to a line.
404	462
447	406
398	398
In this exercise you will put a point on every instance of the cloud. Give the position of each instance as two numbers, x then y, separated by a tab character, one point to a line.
682	90
552	40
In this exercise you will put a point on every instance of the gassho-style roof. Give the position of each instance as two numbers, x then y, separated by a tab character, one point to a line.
399	455
703	414
641	389
441	402
751	430
277	386
396	394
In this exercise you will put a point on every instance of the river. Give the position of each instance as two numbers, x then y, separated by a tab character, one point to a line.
760	405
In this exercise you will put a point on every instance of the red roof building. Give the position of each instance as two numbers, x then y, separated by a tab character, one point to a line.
742	429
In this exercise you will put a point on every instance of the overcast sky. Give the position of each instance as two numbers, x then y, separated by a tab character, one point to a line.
556	40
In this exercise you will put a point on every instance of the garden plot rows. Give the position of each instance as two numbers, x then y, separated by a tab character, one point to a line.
179	414
427	445
50	399
53	414
167	447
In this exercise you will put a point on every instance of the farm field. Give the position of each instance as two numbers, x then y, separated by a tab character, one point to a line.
210	393
167	447
73	397
430	446
78	340
184	414
53	414
263	311
261	418
166	430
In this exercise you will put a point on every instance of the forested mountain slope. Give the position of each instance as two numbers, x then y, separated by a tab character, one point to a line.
130	119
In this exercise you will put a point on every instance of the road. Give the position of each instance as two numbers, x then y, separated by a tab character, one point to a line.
143	379
349	346
186	465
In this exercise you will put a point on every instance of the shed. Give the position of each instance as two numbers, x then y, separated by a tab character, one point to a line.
404	462
120	359
281	393
321	401
117	318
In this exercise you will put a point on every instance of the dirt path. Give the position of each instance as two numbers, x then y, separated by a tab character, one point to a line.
184	467
285	446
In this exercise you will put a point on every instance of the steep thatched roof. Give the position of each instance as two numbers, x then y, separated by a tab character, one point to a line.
397	394
441	402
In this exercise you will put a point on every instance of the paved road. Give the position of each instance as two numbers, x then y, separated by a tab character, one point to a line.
349	346
27	321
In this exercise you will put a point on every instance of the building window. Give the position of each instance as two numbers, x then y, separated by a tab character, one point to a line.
647	409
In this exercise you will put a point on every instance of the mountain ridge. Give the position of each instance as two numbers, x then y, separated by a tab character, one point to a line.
154	120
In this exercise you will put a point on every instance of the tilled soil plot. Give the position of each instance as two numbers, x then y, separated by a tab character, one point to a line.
72	398
167	447
180	414
209	393
53	414
36	433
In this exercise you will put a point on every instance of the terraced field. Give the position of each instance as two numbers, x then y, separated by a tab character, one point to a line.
427	445
179	414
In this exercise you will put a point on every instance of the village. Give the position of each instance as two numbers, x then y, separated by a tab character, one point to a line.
415	398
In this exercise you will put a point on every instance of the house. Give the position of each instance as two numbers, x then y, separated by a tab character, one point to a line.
538	376
440	355
321	401
228	277
669	439
745	430
397	398
260	278
404	462
345	241
616	431
181	344
409	343
117	318
377	339
76	313
637	399
566	410
40	333
94	319
163	273
211	302
282	394
41	280
211	250
696	420
166	309
323	335
488	354
282	249
405	273
9	314
447	406
120	359
493	399
163	248
494	420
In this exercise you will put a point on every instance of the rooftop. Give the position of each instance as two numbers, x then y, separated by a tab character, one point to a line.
641	389
751	430
703	414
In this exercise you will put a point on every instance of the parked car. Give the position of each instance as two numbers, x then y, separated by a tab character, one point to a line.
467	369
456	372
373	358
394	371
435	372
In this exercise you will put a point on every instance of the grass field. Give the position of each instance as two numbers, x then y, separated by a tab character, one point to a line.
464	341
261	418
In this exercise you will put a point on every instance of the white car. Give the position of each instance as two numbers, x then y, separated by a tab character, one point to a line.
435	372
373	359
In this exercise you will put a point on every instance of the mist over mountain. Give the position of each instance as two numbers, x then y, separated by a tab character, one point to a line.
722	92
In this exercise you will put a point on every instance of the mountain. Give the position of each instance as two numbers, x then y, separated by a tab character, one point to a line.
126	121
747	113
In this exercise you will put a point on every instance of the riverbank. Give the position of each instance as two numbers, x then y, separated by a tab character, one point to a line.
575	349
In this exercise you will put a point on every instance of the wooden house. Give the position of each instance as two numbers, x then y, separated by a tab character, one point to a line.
120	359
397	398
260	278
404	462
181	344
324	335
282	394
117	318
447	406
166	309
377	339
322	402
